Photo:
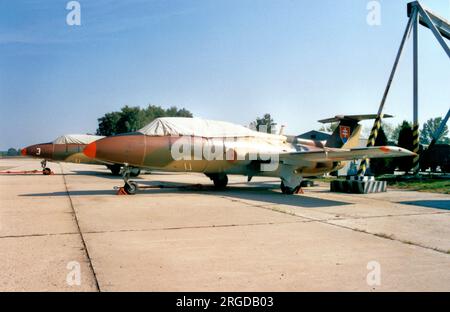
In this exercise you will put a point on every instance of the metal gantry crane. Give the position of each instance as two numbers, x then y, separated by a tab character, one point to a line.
440	28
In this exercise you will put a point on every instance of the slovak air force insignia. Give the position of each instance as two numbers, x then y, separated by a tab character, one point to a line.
344	133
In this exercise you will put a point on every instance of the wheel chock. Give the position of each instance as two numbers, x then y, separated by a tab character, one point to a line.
121	191
299	191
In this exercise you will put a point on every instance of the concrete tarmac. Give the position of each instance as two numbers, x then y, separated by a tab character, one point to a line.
70	232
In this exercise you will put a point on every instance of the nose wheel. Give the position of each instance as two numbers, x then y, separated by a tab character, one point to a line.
130	187
45	169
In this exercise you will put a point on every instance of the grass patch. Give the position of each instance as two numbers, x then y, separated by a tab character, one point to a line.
325	179
431	184
421	184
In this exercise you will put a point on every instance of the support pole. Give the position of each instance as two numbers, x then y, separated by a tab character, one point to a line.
434	30
438	132
415	129
377	122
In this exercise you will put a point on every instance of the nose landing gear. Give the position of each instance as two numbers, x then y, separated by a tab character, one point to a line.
130	187
45	169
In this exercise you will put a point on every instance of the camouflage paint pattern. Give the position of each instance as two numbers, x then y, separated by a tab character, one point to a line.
155	152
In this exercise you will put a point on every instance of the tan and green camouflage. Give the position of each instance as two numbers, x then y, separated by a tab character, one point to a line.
185	149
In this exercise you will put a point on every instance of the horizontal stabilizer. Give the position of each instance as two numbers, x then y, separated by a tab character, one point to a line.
341	154
352	118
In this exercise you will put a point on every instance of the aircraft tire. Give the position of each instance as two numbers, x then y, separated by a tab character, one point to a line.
131	188
220	181
46	171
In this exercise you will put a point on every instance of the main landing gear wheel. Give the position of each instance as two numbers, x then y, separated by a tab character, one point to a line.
130	187
289	190
220	180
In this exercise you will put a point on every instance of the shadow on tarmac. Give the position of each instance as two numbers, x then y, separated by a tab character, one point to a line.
257	191
439	204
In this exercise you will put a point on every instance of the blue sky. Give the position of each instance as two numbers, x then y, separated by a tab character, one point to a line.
230	60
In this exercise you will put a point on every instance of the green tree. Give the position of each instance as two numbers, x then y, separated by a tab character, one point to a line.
266	121
396	131
389	131
152	112
130	119
428	130
107	124
405	140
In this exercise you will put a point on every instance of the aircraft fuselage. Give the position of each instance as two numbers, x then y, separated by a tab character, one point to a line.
241	155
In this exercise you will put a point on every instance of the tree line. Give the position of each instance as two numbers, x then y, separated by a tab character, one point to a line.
11	152
130	119
393	133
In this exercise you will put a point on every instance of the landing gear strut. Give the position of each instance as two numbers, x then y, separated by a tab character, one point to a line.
220	180
130	187
45	170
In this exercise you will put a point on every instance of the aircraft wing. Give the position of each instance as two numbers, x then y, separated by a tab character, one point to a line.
339	154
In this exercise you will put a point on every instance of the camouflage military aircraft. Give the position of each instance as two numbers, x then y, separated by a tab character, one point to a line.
218	148
68	148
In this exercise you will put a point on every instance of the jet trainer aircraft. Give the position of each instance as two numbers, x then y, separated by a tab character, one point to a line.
218	148
68	148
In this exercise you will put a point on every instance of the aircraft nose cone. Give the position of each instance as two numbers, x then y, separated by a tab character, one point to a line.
118	149
91	150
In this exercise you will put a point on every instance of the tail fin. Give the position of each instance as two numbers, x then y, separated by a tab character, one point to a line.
348	131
